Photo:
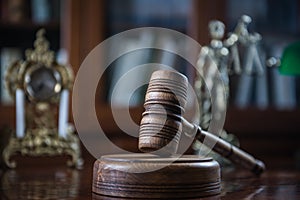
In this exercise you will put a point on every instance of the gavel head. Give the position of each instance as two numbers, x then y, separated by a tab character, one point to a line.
161	126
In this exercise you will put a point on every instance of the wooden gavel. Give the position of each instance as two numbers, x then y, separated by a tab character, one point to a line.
162	122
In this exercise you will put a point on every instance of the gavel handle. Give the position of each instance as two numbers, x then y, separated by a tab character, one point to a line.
225	149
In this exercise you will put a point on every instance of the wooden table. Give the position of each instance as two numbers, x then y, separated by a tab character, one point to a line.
49	178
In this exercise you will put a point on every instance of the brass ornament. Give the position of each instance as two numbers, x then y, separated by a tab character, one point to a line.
42	79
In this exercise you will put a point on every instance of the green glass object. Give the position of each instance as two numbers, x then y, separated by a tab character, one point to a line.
290	61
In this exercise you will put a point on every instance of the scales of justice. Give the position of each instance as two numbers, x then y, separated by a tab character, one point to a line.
41	87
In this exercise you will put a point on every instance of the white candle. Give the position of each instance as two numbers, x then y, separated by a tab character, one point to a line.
20	113
63	113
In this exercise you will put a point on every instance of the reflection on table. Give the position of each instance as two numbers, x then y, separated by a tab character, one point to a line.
49	178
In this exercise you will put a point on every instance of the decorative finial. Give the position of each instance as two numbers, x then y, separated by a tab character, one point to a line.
41	52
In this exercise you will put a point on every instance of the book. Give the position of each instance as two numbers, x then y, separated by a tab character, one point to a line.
132	71
44	11
15	11
40	11
126	75
244	91
8	56
283	87
284	91
261	86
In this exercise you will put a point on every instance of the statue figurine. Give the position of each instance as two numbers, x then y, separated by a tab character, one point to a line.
224	54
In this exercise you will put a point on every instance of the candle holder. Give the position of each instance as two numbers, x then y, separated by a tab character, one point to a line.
41	87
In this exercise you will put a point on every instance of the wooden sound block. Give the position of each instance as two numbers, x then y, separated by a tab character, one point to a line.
187	177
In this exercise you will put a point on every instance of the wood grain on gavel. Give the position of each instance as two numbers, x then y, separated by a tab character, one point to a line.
148	176
162	122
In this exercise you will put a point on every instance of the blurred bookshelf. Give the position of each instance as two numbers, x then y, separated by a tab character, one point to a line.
84	24
20	19
126	15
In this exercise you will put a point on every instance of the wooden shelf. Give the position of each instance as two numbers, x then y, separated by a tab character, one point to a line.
107	122
269	121
28	25
267	134
7	116
250	121
22	35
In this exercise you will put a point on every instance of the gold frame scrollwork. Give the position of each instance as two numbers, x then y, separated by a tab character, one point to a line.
41	135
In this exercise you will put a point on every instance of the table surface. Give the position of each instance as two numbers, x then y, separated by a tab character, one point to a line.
42	178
